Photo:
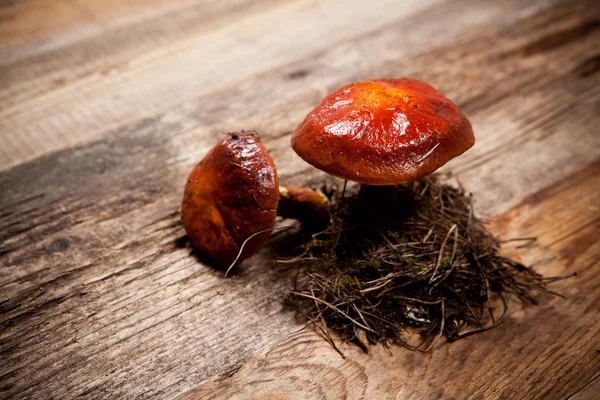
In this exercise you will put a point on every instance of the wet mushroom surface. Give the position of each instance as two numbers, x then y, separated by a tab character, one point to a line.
383	132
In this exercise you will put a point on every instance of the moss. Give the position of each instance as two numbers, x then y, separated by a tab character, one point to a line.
431	267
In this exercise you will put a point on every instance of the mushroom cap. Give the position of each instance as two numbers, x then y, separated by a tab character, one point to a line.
383	132
229	196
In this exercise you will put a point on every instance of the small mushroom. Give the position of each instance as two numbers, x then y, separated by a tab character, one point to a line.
232	196
383	132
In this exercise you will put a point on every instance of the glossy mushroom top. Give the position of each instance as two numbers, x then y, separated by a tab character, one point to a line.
383	132
230	195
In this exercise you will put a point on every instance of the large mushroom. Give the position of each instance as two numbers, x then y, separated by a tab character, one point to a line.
232	198
383	132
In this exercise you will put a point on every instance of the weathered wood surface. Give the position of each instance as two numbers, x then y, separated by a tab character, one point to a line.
105	108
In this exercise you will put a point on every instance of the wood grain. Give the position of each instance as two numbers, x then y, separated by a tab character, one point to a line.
161	77
100	296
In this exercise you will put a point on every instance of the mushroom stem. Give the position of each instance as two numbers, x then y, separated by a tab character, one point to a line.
308	206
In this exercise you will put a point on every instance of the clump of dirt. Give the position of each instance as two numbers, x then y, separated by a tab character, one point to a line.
412	259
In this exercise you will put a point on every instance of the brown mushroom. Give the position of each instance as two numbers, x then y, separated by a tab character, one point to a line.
232	196
383	132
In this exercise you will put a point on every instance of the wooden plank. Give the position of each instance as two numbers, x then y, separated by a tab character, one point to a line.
589	391
195	65
545	352
26	28
60	63
100	298
129	30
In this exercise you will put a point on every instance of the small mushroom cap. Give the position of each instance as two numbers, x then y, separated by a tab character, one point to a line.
229	196
383	132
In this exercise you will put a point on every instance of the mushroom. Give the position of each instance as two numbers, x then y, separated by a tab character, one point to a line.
383	132
232	197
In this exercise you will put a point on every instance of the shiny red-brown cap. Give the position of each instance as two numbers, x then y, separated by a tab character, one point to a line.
229	196
383	132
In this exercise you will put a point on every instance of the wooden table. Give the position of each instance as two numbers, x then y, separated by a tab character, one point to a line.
106	106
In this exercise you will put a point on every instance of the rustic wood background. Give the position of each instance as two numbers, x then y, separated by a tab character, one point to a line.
106	105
